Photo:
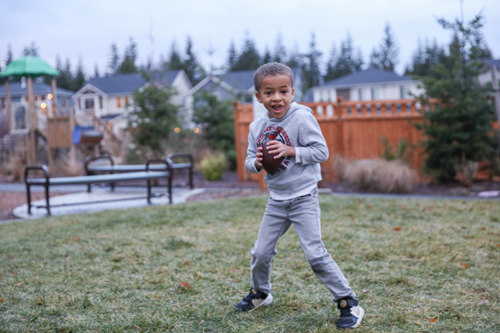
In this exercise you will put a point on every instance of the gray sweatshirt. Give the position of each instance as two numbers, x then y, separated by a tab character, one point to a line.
299	129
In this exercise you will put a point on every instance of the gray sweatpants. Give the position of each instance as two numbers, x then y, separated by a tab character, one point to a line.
304	212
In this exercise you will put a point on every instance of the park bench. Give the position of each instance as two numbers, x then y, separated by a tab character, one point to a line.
93	169
149	173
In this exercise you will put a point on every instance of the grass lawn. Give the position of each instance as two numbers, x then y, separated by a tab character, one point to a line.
416	265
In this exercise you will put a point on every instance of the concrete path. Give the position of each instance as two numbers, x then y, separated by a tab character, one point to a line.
102	199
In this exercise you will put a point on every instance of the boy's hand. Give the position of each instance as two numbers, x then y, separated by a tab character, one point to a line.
258	161
276	147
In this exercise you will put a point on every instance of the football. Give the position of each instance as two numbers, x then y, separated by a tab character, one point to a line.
270	164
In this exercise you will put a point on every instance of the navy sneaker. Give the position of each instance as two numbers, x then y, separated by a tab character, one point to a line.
253	300
350	313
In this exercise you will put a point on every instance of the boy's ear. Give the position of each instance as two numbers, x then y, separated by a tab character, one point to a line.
258	97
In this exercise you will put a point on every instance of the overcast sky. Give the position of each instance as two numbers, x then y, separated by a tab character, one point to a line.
86	29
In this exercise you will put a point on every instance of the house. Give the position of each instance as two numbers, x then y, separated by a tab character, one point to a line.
485	77
19	102
367	85
109	98
238	86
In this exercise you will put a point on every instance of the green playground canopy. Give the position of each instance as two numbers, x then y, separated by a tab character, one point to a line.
29	65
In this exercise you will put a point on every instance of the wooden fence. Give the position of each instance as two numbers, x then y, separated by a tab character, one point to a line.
351	130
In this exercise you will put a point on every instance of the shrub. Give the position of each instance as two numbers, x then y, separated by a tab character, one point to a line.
14	167
213	166
380	175
466	172
69	167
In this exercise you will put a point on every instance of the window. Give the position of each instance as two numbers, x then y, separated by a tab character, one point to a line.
402	92
100	102
89	103
360	95
118	102
126	101
2	103
375	92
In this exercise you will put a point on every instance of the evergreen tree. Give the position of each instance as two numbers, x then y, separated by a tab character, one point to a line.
295	59
386	56
114	60
459	130
266	58
232	56
424	58
191	65
79	78
174	60
330	66
279	50
129	58
216	119
153	118
65	78
9	56
249	57
311	67
31	50
96	71
344	62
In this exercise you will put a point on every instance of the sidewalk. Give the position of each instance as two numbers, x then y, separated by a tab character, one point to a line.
99	199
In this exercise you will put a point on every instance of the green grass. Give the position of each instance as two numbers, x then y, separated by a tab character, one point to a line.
119	271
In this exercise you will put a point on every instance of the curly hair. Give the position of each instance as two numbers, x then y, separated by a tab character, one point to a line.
271	69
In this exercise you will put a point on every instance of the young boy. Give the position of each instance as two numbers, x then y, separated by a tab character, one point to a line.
297	137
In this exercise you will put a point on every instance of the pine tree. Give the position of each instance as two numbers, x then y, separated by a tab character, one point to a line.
279	50
346	61
79	78
174	60
191	65
330	66
386	56
459	130
96	71
311	67
65	78
153	118
216	118
31	50
114	60
232	56
9	56
129	58
249	57
425	57
295	59
267	58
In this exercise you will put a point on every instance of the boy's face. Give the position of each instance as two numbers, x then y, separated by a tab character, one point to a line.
276	93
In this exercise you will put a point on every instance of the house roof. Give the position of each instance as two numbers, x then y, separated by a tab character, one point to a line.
243	80
166	78
490	62
17	90
239	80
368	76
120	83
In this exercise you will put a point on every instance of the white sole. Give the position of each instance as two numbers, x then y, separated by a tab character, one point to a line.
266	302
361	315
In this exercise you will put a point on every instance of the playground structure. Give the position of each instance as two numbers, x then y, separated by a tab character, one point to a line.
47	118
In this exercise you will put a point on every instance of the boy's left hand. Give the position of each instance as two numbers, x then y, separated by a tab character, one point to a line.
276	147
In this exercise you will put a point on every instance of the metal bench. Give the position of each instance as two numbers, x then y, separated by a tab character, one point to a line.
150	172
112	168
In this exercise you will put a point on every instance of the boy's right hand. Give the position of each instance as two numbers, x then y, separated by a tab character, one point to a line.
258	161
